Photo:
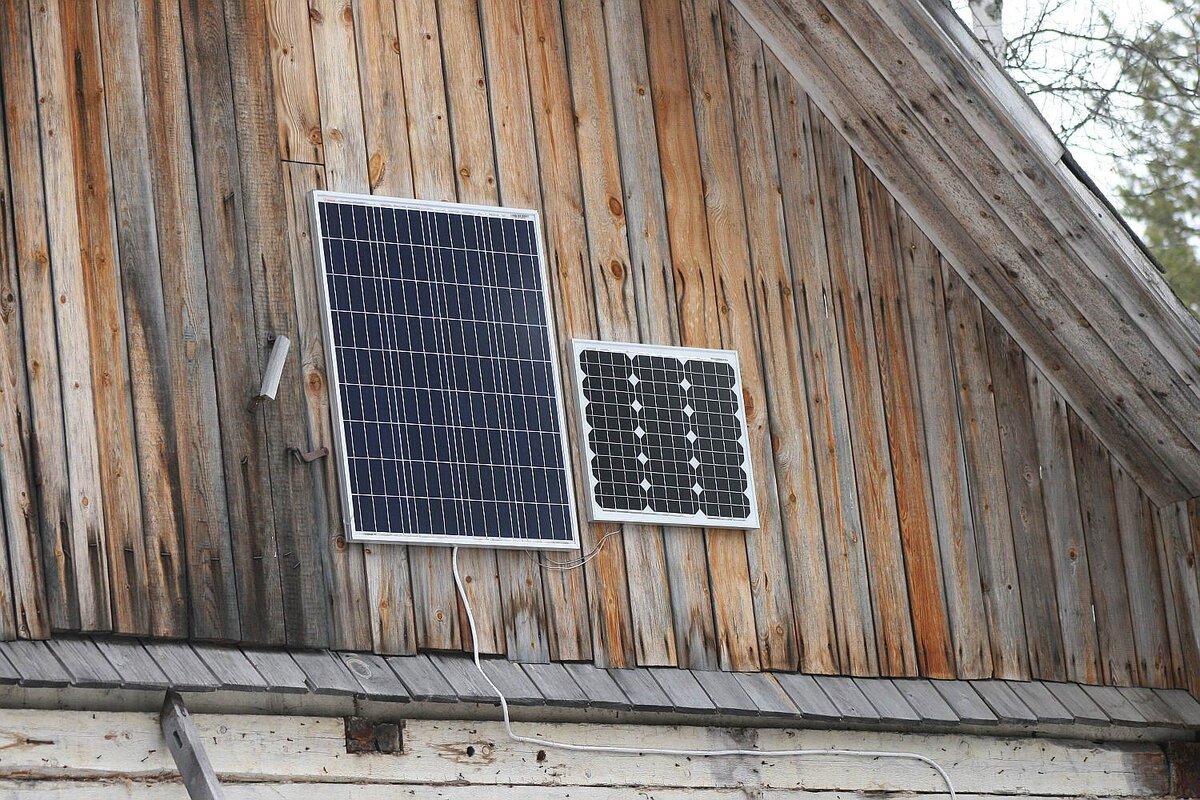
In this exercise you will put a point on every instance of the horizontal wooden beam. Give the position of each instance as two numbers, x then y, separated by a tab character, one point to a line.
1093	315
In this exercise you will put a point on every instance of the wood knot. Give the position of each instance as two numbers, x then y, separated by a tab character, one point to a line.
464	171
335	134
348	14
314	136
617	269
615	207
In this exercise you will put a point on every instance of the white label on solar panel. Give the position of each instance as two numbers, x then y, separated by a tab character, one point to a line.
443	373
664	435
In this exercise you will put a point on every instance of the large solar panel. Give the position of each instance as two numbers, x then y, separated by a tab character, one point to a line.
443	373
664	435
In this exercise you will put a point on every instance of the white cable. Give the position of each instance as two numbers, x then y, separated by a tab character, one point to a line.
636	751
575	563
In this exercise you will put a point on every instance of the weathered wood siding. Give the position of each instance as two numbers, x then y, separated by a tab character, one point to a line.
931	504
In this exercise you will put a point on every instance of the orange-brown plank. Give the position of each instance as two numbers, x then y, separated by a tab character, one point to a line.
819	345
868	430
898	380
934	368
985	477
763	549
294	77
86	454
382	95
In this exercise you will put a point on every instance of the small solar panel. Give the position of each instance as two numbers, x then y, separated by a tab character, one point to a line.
665	435
443	373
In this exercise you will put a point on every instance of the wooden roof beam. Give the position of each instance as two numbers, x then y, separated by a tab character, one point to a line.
1093	314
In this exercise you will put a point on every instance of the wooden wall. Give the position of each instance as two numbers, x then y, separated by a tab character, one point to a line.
930	503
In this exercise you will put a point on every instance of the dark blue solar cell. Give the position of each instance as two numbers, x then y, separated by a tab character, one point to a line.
447	394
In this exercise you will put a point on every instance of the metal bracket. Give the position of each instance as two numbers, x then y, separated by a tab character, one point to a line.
309	457
187	748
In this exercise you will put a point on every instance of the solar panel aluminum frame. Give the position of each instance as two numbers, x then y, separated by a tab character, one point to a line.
340	450
596	513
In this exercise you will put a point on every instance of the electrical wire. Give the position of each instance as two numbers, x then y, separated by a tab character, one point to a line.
574	563
637	751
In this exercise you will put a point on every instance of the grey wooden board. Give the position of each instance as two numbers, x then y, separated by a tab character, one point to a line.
966	702
641	689
464	679
325	673
135	666
422	679
230	667
187	748
183	668
601	690
812	702
1185	706
36	665
926	701
1004	702
685	692
1040	701
376	678
512	682
277	669
851	703
88	667
8	673
767	694
1078	703
1152	707
886	699
725	692
1119	710
556	684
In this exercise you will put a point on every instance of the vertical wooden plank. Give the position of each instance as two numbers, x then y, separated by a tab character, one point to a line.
859	354
1179	529
567	607
1018	443
901	402
1170	600
236	353
294	79
435	602
353	610
1110	599
24	613
763	550
305	567
702	620
778	331
466	95
1068	549
985	478
521	588
935	379
382	94
163	554
75	358
1142	580
214	611
623	633
642	211
794	495
49	485
819	346
387	568
119	468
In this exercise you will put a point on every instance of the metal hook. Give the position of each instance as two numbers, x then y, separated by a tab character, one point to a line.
309	457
